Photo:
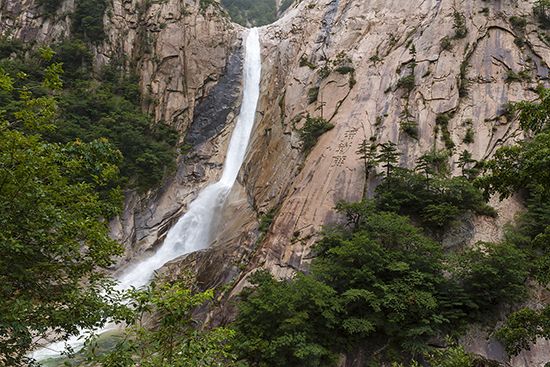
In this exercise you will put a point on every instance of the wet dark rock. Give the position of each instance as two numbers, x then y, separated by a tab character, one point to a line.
212	111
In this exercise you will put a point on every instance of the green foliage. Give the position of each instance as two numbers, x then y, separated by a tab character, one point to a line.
442	122
345	69
522	76
541	10
410	128
436	202
433	163
54	242
407	83
312	94
468	165
386	274
285	4
531	232
251	12
174	342
50	6
377	281
87	20
469	136
486	274
76	58
91	109
9	46
266	220
388	156
446	43
305	62
518	22
287	323
522	329
534	116
463	82
454	356
525	167
521	166
459	25
313	128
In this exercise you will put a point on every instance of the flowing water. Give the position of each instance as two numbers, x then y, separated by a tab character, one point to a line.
194	229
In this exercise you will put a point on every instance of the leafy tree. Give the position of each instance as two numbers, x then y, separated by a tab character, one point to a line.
174	341
386	274
367	153
524	165
523	327
485	273
87	20
54	241
287	323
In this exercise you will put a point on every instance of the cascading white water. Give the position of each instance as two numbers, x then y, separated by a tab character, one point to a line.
194	229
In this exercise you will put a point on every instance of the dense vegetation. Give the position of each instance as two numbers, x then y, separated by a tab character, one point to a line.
251	12
175	341
70	141
53	197
380	283
92	107
525	168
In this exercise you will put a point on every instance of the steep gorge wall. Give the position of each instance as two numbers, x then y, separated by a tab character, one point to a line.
378	38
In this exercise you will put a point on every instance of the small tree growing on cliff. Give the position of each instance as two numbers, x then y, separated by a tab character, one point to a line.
542	12
367	152
388	156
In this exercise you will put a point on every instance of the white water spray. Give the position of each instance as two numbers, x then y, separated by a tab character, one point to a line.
194	230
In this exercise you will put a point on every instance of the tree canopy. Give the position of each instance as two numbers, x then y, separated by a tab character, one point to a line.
54	199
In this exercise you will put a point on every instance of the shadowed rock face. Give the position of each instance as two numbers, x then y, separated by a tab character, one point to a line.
212	111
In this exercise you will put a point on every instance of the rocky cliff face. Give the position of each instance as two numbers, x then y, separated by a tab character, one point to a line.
354	55
365	66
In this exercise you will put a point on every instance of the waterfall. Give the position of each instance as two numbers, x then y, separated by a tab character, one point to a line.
194	231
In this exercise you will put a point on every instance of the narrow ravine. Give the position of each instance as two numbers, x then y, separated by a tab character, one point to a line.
194	230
